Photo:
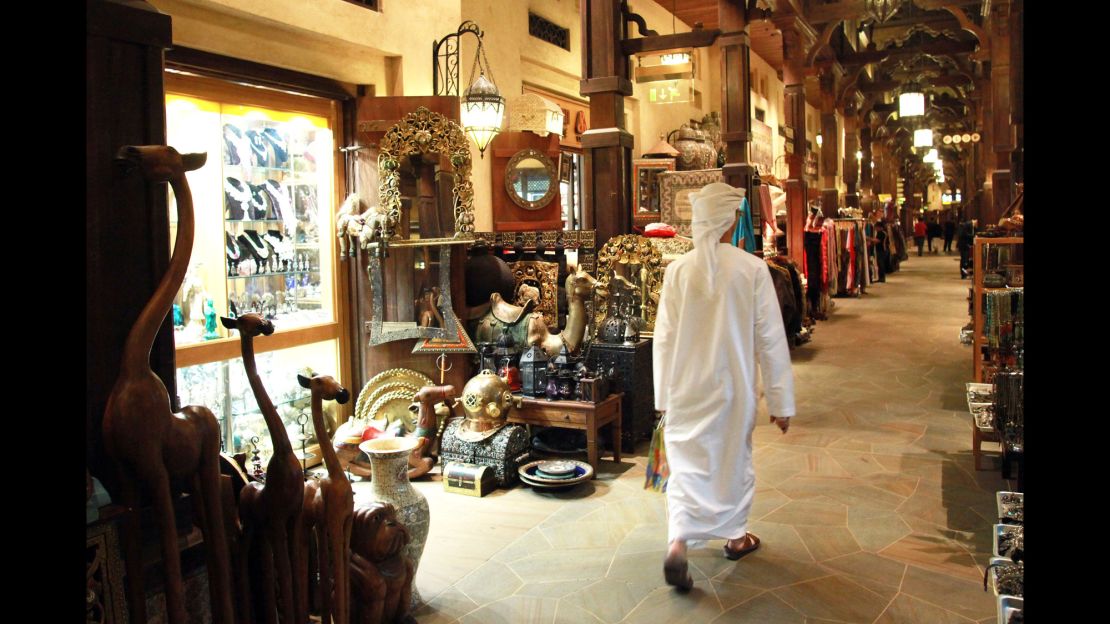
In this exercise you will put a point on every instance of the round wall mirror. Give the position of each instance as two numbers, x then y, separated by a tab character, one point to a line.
531	179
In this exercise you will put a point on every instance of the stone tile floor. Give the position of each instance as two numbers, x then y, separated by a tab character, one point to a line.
870	509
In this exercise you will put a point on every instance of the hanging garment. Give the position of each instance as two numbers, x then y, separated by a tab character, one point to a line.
744	231
784	291
799	293
729	331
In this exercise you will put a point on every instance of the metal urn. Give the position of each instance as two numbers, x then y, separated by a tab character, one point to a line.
533	372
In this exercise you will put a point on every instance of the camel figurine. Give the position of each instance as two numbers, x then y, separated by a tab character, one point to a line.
329	505
375	224
580	287
345	219
426	399
272	509
501	313
148	442
428	305
381	574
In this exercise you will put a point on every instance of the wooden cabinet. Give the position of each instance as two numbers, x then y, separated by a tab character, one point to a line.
1011	256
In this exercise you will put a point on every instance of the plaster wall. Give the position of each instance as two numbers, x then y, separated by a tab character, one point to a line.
390	49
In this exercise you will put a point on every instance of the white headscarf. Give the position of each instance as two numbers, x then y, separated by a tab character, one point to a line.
715	209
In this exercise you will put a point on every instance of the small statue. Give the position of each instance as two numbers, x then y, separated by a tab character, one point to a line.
428	305
381	574
210	332
178	317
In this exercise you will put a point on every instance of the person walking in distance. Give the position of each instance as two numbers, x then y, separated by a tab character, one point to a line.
717	309
919	231
949	233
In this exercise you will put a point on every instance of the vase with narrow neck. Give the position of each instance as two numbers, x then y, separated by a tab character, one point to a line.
389	465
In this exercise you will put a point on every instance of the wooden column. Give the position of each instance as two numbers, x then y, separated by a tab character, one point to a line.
607	146
866	181
793	72
830	145
736	97
851	165
1003	140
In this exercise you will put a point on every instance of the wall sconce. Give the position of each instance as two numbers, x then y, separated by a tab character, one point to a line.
483	108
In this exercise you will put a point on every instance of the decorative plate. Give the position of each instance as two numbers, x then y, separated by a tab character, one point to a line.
557	469
401	374
528	474
394	406
371	394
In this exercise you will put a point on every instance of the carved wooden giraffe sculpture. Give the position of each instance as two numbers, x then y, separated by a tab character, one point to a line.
151	444
329	505
274	508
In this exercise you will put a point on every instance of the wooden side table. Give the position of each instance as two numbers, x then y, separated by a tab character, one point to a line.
589	417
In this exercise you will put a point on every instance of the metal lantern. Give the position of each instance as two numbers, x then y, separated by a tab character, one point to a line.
533	372
506	348
562	361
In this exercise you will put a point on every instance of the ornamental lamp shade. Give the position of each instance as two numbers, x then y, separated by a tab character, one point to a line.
911	104
533	371
923	137
483	110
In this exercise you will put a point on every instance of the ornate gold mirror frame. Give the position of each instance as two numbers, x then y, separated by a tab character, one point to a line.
552	176
546	275
423	131
634	258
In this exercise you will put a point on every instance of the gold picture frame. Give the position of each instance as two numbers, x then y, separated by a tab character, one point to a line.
646	200
546	276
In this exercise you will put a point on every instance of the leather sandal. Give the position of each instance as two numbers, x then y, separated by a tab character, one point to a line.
677	573
733	555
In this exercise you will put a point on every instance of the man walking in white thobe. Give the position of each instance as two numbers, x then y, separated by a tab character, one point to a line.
718	318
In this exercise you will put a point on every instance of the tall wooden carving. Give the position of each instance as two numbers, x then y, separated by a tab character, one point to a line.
329	505
271	510
148	441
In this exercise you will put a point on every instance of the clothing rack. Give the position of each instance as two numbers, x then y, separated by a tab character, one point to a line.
851	277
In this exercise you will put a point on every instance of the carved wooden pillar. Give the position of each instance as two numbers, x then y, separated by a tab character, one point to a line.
607	146
851	165
866	182
793	72
1003	136
830	145
736	97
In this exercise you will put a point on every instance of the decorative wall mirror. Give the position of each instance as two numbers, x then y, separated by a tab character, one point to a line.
432	151
531	179
629	265
420	305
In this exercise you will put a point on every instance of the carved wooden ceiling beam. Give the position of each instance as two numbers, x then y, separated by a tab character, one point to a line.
856	9
942	46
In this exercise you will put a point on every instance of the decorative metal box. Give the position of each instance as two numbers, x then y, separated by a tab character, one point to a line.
633	366
468	479
504	452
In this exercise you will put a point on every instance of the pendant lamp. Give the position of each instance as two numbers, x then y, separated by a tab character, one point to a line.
483	108
923	137
911	103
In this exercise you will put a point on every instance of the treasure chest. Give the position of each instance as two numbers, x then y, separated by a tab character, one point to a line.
504	452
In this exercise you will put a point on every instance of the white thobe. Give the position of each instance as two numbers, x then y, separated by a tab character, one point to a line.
705	355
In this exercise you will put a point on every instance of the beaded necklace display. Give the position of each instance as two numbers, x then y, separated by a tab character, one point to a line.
1009	407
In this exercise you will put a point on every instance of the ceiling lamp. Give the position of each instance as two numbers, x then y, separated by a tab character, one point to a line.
483	108
931	157
911	103
923	137
956	139
881	10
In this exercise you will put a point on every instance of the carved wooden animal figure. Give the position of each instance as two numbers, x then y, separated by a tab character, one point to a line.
375	225
329	505
428	305
421	460
347	215
151	444
272	510
381	574
580	287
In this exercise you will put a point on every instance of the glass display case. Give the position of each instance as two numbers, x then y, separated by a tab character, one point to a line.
264	242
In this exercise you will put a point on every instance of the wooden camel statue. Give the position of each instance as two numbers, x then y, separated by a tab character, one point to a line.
381	574
421	460
329	505
149	443
580	287
269	510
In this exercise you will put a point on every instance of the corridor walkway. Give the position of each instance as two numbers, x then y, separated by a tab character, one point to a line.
870	509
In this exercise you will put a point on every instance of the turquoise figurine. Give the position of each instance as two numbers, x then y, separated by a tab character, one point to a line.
210	320
178	317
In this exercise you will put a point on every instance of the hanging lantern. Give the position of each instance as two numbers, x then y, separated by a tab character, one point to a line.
911	103
931	156
533	372
483	109
923	137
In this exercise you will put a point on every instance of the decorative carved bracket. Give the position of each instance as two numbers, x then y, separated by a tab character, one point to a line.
641	24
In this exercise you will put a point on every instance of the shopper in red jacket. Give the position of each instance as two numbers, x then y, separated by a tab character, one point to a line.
919	231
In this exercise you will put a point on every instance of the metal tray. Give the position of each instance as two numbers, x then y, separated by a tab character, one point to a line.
976	409
979	389
999	530
994	572
1002	517
1006	605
